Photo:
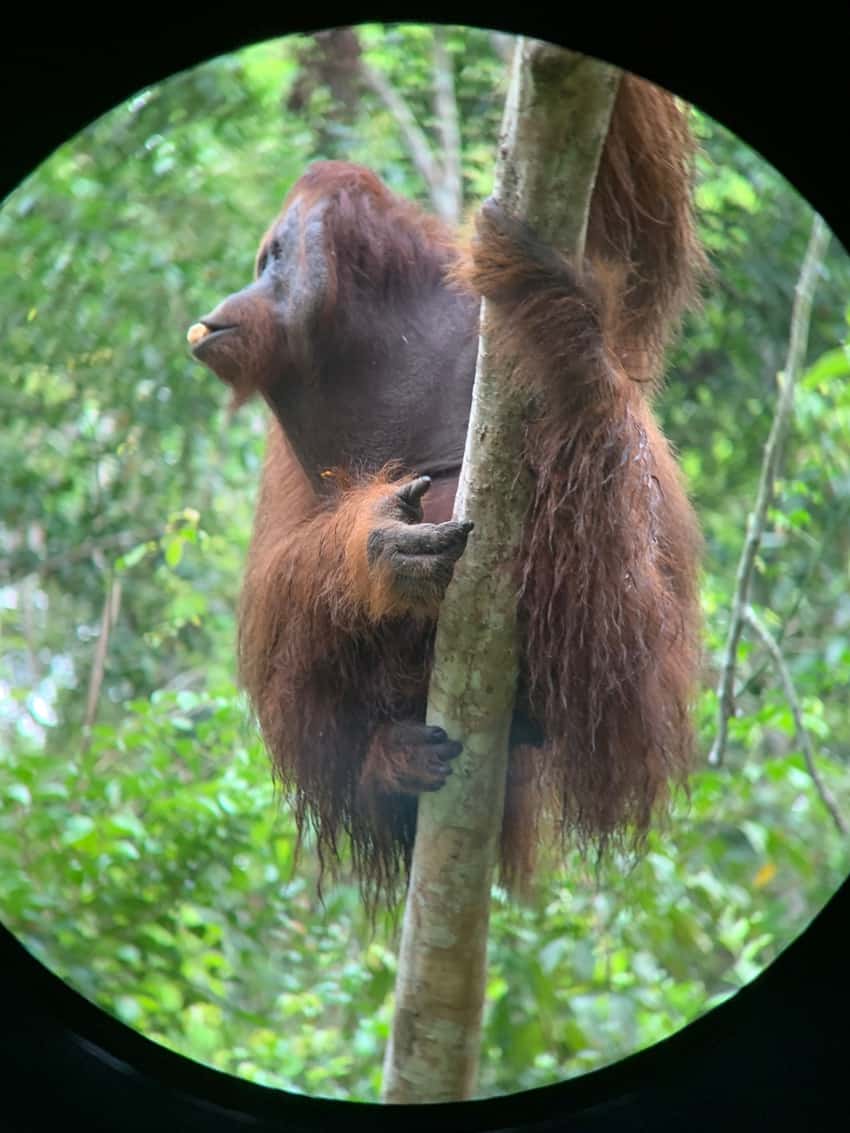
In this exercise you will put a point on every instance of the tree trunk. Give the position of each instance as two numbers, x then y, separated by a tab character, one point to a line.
556	119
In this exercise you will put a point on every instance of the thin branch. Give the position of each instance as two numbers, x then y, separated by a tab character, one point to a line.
798	342
118	540
413	134
836	519
109	616
27	597
766	638
448	125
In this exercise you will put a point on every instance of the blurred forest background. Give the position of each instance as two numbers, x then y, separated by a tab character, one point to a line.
143	853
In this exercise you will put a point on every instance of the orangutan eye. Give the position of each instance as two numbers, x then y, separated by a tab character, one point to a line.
271	252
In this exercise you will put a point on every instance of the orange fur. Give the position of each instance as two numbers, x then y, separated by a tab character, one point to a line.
332	655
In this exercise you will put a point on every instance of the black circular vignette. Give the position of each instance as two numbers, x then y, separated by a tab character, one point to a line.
769	1057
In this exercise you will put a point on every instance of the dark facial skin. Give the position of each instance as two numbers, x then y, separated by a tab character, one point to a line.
351	390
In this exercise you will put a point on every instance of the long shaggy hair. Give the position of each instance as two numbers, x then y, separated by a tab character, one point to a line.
607	576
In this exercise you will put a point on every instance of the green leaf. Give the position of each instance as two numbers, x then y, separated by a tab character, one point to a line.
134	556
19	793
127	823
174	551
831	365
77	828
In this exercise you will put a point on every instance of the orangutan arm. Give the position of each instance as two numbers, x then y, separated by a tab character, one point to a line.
332	592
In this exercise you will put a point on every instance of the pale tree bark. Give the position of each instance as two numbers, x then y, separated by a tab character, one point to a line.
108	618
556	119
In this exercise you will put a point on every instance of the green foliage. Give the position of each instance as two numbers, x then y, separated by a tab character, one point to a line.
143	853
